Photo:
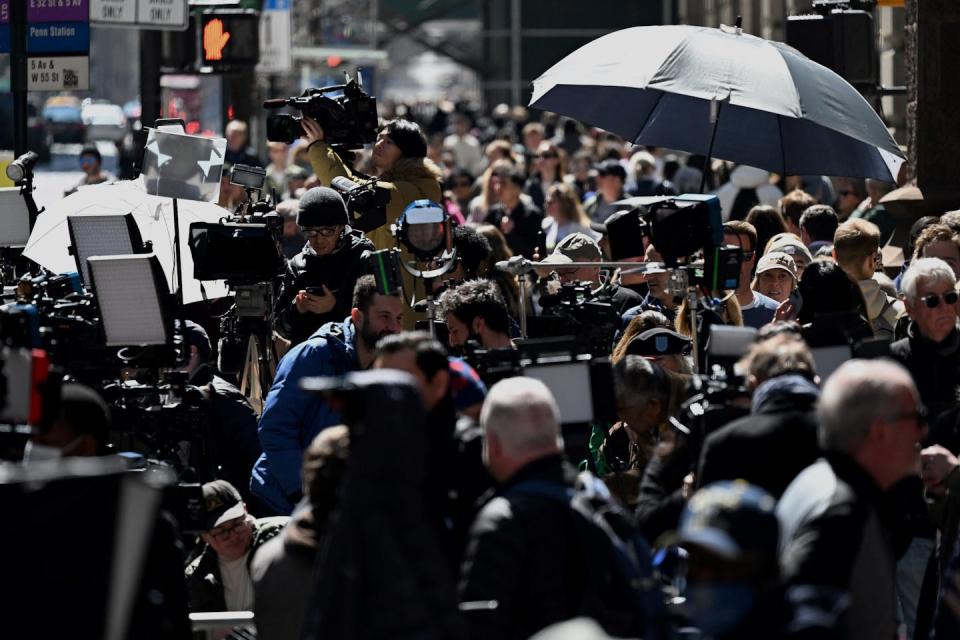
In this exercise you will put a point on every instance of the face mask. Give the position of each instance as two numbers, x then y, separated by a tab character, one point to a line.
34	452
717	608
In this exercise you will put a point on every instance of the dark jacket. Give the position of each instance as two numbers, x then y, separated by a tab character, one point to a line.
527	235
834	534
772	445
292	419
233	446
381	572
338	271
524	556
204	584
660	501
935	367
282	571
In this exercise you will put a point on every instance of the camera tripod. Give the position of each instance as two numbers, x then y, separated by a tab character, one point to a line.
251	329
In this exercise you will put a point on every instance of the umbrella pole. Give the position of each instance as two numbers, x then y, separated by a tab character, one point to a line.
178	265
715	106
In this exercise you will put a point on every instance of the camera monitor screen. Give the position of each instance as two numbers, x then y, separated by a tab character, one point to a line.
570	384
176	165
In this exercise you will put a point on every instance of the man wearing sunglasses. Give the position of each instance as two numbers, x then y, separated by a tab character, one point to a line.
757	309
932	346
319	282
218	577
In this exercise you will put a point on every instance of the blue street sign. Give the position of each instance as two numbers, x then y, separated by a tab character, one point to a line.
4	38
58	37
276	5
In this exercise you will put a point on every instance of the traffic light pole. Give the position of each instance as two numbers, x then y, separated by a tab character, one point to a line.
18	74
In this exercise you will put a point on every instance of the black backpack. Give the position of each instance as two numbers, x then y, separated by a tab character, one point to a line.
620	593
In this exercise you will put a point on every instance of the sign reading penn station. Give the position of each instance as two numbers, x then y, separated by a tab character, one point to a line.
58	37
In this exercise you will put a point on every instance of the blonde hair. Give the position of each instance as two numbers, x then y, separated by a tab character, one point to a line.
729	308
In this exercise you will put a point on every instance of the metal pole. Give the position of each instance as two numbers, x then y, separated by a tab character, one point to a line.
515	59
18	74
715	106
522	279
177	262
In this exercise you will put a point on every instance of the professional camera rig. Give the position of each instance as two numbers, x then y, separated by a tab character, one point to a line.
347	114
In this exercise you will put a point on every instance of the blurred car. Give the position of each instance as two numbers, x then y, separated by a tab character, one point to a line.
104	122
63	117
38	137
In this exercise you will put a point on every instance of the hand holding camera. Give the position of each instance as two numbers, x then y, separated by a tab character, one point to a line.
312	131
315	300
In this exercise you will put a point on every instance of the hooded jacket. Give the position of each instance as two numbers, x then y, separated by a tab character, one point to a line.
745	177
882	310
338	270
769	447
292	418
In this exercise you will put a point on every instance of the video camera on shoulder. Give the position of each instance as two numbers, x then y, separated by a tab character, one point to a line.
347	114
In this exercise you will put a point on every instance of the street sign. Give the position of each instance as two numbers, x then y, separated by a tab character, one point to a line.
113	12
58	73
170	14
276	5
140	14
58	10
4	11
229	38
275	41
58	37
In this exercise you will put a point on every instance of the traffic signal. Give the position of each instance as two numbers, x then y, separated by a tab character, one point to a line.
229	38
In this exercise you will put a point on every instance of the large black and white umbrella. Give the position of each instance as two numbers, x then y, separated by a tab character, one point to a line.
724	94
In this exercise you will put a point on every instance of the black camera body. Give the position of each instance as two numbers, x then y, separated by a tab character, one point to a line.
575	310
347	114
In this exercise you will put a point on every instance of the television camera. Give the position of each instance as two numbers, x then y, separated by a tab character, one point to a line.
347	114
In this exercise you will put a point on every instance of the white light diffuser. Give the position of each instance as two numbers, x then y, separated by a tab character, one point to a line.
14	218
102	235
132	294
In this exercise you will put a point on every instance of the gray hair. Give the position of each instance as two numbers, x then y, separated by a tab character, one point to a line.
858	393
524	416
928	270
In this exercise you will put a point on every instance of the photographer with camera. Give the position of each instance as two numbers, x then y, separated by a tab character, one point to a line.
579	247
292	418
399	157
320	279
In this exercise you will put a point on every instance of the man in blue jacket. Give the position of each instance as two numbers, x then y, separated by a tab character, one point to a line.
292	418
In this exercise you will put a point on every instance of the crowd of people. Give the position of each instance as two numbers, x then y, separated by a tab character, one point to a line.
820	502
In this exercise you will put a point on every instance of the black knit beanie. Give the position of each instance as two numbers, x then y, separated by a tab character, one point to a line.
408	138
322	207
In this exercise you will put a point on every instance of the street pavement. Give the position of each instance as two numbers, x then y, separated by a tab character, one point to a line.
63	171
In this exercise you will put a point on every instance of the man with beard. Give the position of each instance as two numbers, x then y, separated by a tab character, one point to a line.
291	418
475	310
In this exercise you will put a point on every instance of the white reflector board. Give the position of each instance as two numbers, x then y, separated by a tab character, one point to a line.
14	218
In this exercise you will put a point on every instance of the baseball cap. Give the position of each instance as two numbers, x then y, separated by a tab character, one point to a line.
789	244
658	341
612	168
730	518
579	247
777	260
223	503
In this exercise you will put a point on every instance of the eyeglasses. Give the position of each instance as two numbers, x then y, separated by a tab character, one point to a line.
918	415
748	255
932	300
323	232
225	532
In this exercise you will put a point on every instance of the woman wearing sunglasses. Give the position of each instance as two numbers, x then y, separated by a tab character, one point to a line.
932	346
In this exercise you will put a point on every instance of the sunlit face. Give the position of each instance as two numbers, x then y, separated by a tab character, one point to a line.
384	317
323	240
775	283
933	323
946	251
385	152
742	241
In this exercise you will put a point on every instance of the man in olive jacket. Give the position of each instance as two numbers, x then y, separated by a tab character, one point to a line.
218	578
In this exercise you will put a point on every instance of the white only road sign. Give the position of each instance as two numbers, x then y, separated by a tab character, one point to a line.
140	14
275	41
58	73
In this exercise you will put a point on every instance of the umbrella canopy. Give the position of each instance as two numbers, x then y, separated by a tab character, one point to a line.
50	240
774	108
